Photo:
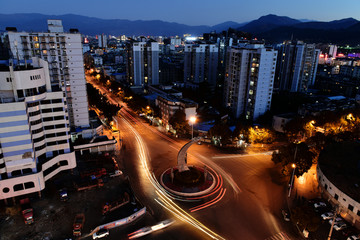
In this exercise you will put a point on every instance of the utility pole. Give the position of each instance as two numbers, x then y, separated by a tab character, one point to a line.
333	222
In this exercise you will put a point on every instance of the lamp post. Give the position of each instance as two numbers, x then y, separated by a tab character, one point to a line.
192	120
292	178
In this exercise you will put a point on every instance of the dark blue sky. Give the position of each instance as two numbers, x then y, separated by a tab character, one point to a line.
191	12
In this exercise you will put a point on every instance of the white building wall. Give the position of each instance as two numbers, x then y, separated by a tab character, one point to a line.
265	82
343	200
64	52
24	134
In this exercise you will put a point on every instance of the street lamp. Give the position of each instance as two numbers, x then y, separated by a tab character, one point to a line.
192	120
292	178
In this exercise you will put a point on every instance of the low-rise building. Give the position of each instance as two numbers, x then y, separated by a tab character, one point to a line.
338	177
168	105
279	121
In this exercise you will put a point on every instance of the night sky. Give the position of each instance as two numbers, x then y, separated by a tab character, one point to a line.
191	12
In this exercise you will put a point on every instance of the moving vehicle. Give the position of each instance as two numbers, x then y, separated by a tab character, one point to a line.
116	173
103	232
26	211
63	194
78	224
286	215
108	207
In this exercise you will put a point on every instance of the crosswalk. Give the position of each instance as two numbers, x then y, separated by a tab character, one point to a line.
279	236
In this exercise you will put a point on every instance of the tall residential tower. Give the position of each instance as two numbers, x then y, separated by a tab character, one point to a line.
249	79
63	52
296	67
143	63
200	64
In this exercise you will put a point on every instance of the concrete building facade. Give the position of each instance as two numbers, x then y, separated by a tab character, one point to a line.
34	129
64	53
296	67
249	79
143	63
200	64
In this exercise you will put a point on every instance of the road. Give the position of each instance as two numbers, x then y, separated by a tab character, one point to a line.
249	210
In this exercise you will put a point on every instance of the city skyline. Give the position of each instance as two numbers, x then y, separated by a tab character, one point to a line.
191	13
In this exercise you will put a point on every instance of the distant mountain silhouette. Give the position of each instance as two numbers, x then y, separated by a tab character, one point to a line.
272	28
337	24
92	26
268	22
276	29
226	25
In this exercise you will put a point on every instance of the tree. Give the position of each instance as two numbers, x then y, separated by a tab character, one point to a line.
179	123
298	154
242	130
260	135
220	132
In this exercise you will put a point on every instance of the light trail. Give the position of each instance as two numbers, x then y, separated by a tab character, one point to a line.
244	155
163	197
212	202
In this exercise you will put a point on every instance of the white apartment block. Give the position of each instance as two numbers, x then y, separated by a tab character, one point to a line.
200	64
143	63
64	53
102	41
34	129
249	80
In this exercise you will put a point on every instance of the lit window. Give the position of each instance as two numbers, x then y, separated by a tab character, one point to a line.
36	45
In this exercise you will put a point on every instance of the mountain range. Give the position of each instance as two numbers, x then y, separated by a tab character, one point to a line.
271	27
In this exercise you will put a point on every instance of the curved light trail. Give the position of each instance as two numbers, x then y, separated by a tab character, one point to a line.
163	199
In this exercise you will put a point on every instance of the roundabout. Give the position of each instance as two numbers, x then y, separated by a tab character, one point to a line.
192	183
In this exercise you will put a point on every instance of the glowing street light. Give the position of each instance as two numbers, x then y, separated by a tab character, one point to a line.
192	120
292	178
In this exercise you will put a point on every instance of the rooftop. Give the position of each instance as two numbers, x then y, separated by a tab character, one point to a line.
340	163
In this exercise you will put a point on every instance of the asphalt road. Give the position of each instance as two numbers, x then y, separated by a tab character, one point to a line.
249	210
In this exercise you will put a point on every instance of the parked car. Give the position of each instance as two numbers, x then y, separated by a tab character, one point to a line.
319	204
340	226
327	215
103	232
286	215
338	219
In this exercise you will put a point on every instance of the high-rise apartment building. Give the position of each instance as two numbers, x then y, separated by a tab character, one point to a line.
63	52
200	64
296	67
249	78
102	40
143	63
34	129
